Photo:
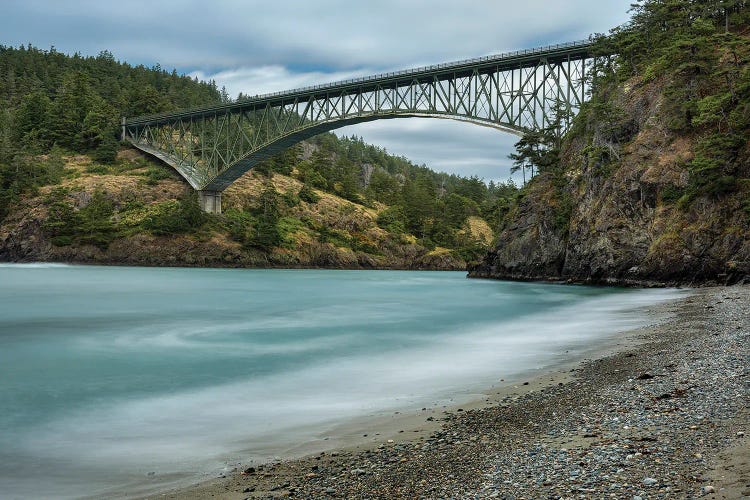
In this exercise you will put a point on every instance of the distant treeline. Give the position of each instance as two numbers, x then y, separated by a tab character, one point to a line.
50	100
75	102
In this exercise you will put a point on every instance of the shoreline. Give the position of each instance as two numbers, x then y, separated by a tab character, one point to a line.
450	451
177	265
552	280
401	425
733	280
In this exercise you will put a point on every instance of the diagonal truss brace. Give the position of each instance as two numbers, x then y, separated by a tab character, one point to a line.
212	147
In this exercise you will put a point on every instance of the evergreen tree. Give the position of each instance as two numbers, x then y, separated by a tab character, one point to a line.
32	119
267	234
419	204
384	188
74	100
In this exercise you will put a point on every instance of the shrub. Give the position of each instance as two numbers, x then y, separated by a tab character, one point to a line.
154	174
266	234
96	168
307	194
174	217
239	223
106	151
670	194
91	225
290	199
393	219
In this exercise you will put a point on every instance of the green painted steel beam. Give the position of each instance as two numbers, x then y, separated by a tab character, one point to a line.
211	147
447	71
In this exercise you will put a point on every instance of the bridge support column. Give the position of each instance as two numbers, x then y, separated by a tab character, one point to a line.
210	201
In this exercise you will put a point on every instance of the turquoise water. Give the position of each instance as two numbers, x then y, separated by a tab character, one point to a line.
112	377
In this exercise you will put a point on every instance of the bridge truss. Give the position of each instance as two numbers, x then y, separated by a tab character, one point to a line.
515	92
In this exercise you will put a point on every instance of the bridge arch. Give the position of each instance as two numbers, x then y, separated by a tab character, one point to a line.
227	176
515	92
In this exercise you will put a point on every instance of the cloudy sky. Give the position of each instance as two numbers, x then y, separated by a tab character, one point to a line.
254	47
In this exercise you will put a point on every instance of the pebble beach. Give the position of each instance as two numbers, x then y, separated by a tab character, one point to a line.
663	415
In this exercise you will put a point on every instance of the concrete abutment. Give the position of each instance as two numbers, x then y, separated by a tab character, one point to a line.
210	201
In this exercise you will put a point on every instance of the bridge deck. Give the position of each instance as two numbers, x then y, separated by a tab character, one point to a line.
446	71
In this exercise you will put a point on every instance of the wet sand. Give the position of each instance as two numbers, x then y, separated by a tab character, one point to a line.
660	412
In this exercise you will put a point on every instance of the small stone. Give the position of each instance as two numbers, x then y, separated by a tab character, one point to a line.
708	489
330	491
740	434
636	497
359	472
248	490
650	481
249	470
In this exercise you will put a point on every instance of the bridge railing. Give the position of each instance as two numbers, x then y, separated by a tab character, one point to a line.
433	67
364	79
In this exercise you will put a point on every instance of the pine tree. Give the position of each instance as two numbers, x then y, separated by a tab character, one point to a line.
419	203
32	119
266	232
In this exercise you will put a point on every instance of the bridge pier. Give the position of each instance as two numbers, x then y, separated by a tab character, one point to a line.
210	201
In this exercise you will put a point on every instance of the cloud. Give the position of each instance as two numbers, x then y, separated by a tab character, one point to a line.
332	34
443	145
266	79
256	46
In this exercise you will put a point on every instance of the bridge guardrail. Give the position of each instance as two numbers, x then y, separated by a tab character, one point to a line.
367	79
410	71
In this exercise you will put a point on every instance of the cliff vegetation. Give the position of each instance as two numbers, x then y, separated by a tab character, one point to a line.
651	183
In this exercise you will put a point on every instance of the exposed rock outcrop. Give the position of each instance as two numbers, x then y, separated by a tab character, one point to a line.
624	227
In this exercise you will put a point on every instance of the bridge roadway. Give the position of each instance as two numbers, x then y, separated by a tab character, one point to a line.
514	92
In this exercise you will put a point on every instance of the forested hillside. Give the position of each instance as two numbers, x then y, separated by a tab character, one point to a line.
74	104
652	182
70	191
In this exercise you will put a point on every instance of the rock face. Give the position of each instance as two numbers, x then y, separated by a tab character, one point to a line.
530	246
624	227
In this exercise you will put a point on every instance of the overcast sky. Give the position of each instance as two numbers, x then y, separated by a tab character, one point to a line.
255	47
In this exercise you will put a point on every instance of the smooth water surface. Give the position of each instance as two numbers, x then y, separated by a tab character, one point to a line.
113	377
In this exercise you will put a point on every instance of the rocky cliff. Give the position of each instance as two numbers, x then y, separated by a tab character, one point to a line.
634	218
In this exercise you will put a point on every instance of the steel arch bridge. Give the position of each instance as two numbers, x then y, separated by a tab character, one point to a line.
519	91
